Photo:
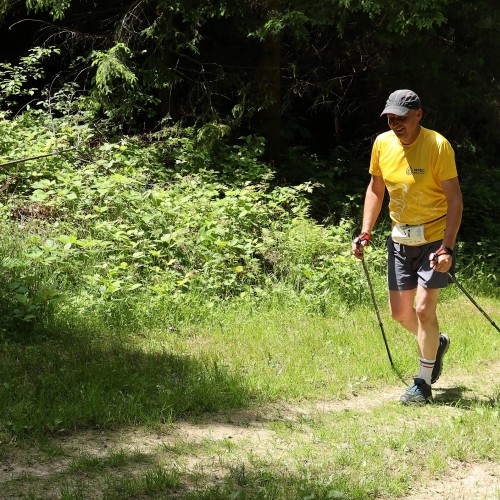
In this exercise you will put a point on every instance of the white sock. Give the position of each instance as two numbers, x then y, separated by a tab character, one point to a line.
426	367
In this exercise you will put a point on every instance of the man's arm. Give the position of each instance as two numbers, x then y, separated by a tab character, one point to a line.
453	195
374	199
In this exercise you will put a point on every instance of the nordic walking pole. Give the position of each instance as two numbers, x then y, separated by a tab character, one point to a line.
380	320
468	295
377	311
433	257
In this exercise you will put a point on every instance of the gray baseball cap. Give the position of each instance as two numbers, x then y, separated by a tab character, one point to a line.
401	101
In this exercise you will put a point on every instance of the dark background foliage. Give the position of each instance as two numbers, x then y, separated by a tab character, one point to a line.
311	77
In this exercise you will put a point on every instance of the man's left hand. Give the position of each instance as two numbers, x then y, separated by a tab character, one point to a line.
442	263
442	259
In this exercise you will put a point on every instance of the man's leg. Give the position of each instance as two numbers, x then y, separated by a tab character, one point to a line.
421	319
403	311
412	280
428	327
428	342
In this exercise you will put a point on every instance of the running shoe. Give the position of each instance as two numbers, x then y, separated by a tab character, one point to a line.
444	345
419	393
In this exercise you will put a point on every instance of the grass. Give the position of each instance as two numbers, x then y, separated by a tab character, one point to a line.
87	463
80	381
58	386
340	454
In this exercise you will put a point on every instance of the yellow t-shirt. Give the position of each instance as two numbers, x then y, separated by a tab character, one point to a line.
413	175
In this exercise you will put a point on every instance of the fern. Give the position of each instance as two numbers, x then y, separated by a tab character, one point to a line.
112	69
56	8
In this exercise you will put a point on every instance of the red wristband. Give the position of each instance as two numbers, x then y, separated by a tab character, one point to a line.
362	237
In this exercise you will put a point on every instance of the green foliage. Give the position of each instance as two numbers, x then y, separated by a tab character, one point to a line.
31	134
18	81
401	18
172	223
112	69
177	218
117	92
203	62
56	8
28	292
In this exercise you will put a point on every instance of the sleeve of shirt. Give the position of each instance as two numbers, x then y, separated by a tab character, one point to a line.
374	162
445	164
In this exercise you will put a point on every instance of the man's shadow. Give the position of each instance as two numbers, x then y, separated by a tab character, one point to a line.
462	396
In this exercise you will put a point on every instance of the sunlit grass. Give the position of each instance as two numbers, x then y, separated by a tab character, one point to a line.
245	356
81	381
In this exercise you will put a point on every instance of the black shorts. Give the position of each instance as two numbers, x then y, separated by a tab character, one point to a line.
409	266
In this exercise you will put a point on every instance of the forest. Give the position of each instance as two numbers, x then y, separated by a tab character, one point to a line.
180	185
260	113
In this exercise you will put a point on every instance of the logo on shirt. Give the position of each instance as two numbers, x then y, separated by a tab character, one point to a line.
415	171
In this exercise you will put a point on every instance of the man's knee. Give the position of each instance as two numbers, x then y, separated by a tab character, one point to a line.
402	315
425	312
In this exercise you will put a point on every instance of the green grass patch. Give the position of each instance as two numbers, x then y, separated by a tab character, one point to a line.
81	381
67	384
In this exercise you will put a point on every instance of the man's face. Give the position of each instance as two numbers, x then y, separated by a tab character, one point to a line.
406	127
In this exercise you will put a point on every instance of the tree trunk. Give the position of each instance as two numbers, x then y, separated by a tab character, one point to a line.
269	64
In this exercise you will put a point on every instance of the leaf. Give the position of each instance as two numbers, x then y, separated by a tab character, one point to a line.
135	286
336	494
49	244
66	239
22	299
39	195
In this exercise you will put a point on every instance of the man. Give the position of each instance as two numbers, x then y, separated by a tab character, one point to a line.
417	166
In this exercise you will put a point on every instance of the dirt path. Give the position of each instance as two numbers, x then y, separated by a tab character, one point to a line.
250	429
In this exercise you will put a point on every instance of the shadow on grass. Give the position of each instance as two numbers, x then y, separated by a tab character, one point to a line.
78	382
457	396
237	481
268	484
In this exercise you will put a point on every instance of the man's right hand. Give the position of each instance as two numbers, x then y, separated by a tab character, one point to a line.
359	243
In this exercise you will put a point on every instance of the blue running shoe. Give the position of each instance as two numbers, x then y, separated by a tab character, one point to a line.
419	393
444	345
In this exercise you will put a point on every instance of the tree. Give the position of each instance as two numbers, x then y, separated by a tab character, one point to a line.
286	69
